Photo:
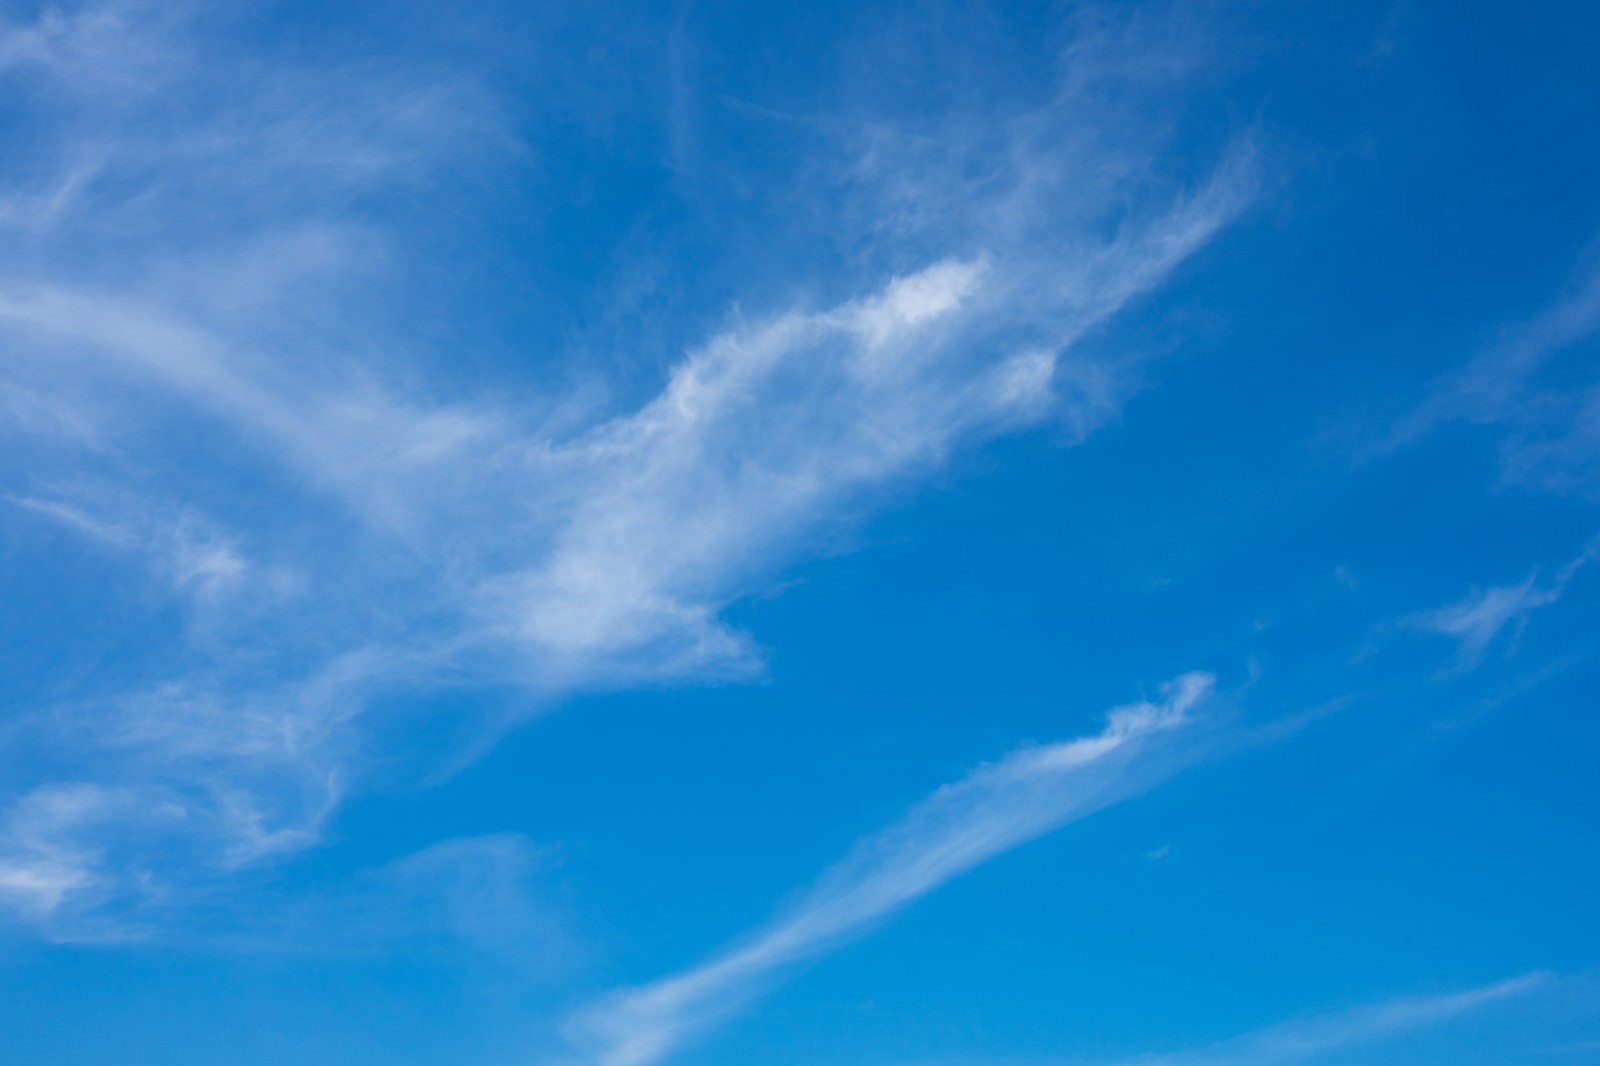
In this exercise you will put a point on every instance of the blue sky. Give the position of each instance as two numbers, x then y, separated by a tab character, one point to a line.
905	535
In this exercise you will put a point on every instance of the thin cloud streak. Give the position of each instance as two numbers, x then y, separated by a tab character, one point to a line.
1309	1039
962	825
1550	430
193	557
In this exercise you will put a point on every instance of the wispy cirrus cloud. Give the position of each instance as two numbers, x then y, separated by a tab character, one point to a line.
184	549
1315	1038
1477	620
994	809
1371	1031
41	862
476	898
381	533
1536	387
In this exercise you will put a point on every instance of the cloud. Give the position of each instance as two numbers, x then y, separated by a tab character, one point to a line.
40	862
1476	620
219	381
468	899
1549	1002
989	812
96	48
1481	616
132	87
195	558
1524	387
464	898
1310	1039
474	890
756	438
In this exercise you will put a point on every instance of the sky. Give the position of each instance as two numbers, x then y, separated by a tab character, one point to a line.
967	534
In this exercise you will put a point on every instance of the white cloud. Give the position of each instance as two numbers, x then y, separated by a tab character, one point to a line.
1478	619
43	856
73	518
97	48
197	559
754	439
215	380
1550	429
480	893
1310	1039
468	898
994	809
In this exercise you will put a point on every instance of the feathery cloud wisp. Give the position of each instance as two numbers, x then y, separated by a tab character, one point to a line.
994	809
1476	620
1550	430
1309	1039
1483	615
